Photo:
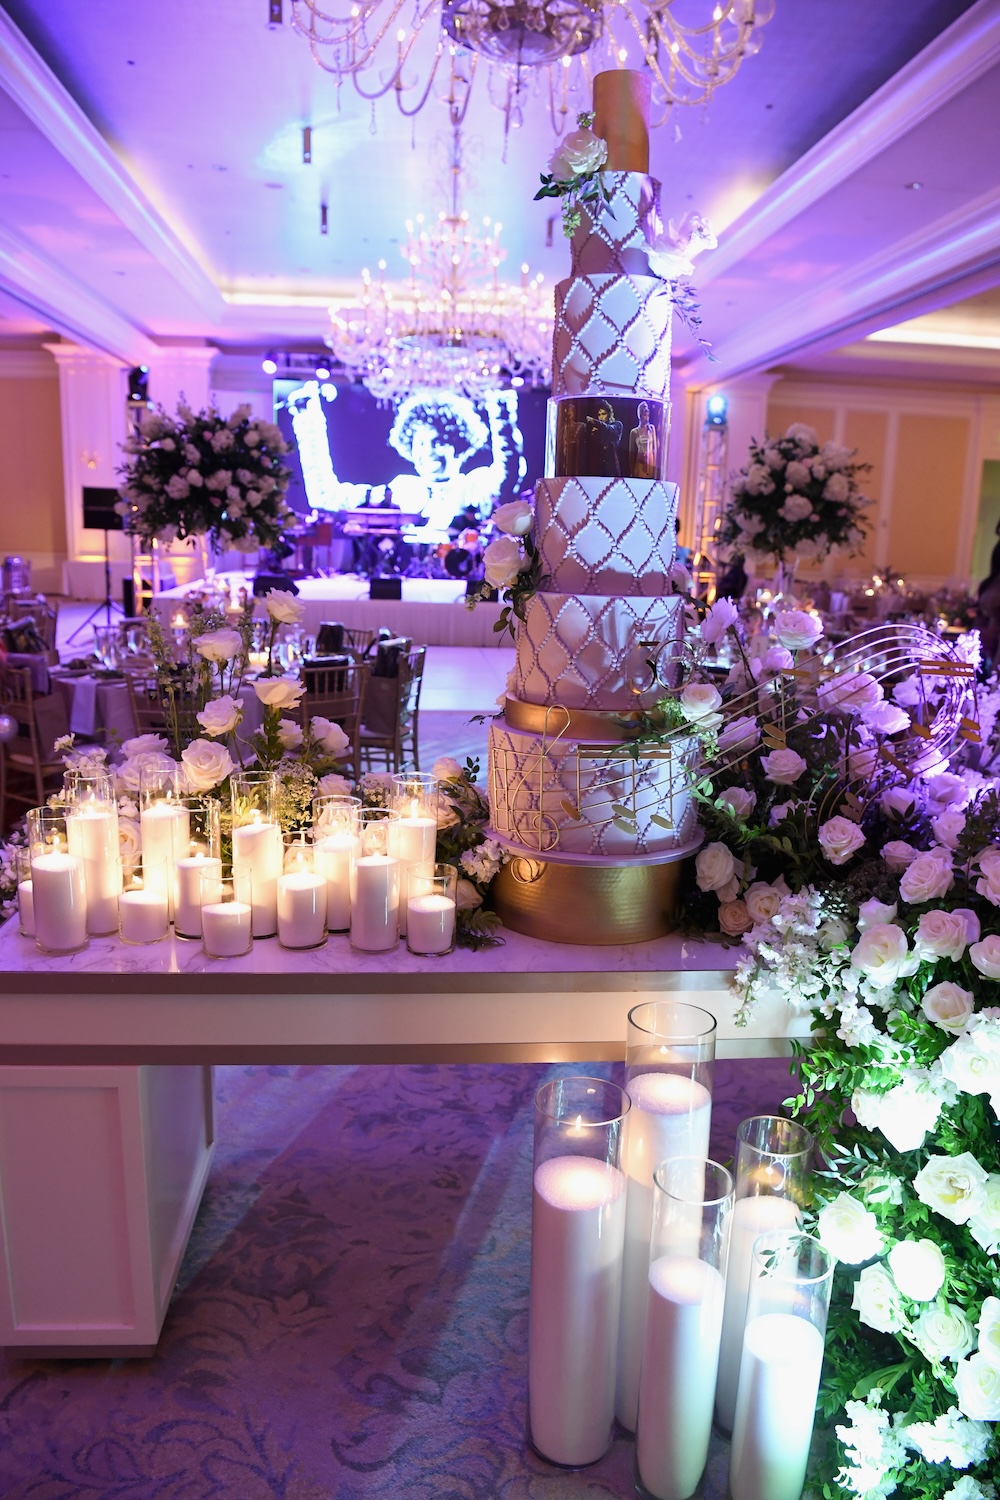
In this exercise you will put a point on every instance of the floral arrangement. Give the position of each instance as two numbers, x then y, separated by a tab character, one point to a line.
574	173
512	564
795	500
199	474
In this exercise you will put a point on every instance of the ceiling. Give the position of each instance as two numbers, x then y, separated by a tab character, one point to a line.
152	187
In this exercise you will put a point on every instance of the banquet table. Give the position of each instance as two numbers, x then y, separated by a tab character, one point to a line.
106	1112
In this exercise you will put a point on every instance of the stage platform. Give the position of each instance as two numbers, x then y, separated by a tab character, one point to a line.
432	611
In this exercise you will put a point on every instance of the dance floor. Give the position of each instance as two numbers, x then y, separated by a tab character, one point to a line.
350	1319
431	612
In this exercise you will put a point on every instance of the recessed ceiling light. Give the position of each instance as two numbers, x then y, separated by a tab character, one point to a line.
275	186
914	187
217	168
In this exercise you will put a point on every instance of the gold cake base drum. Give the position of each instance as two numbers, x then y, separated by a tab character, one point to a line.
595	905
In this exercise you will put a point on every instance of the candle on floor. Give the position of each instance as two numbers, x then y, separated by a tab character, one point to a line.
143	912
257	850
59	900
577	1224
187	907
92	831
335	853
779	1379
671	1116
751	1218
680	1361
375	903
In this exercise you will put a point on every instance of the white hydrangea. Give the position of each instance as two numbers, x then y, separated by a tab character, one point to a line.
949	1439
874	1448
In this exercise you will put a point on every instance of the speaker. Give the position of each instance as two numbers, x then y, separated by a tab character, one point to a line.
386	588
265	582
128	597
99	512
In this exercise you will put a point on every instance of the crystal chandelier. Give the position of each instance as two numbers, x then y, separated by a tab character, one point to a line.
690	47
454	325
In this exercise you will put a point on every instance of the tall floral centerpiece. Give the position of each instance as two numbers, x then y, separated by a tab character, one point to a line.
198	474
795	501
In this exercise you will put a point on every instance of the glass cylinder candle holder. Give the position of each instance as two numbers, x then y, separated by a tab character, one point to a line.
301	895
431	907
689	1247
25	902
669	1070
92	828
143	907
577	1238
787	1306
772	1183
257	846
415	796
202	852
337	844
375	883
164	822
58	890
226	911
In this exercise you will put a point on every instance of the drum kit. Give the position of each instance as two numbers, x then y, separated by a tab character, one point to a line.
390	542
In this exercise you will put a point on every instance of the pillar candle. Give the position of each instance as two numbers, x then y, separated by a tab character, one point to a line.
60	902
226	928
92	834
680	1360
165	828
25	909
143	916
334	855
751	1218
414	842
187	907
375	903
301	909
577	1225
257	848
670	1116
430	923
776	1407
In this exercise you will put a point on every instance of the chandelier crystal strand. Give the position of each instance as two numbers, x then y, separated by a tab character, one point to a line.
371	42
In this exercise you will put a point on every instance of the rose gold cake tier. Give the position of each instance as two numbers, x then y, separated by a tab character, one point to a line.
606	536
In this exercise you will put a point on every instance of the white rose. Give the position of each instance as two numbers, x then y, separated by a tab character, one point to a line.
721	616
699	702
795	507
872	911
219	645
944	1332
279	692
849	693
468	898
129	840
952	1186
740	802
780	812
940	934
514	518
946	788
876	1300
898	801
579	153
977	1386
290	734
984	1226
206	764
447	768
927	878
948	1006
882	956
903	1114
332	740
948	827
836	488
898	855
503	560
918	1269
972	928
145	744
796	630
734	919
128	776
989	885
715	866
283	607
221	715
989	1330
840	839
333	786
776	659
783	766
886	718
763	900
972	1067
849	1230
741	734
985	956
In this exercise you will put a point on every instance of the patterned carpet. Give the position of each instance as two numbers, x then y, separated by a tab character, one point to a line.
351	1316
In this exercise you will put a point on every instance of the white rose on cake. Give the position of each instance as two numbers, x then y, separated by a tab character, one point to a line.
580	153
514	518
503	559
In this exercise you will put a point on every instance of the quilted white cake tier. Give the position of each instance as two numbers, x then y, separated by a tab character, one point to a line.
591	650
612	333
606	536
550	794
621	230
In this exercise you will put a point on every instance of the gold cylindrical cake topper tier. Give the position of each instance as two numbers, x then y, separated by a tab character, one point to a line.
621	117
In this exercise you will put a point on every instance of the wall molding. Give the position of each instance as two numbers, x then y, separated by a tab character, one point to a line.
27	364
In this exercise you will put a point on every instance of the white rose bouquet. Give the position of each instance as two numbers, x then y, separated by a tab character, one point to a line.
575	172
200	474
795	500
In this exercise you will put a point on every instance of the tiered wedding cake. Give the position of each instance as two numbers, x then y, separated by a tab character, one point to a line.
585	817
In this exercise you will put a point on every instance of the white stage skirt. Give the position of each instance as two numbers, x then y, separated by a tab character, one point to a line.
432	611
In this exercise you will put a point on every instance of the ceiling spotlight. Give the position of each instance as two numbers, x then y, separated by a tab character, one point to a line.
323	221
269	364
322	371
138	385
914	187
307	144
717	409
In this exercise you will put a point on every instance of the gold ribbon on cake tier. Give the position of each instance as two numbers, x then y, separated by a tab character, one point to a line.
555	721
